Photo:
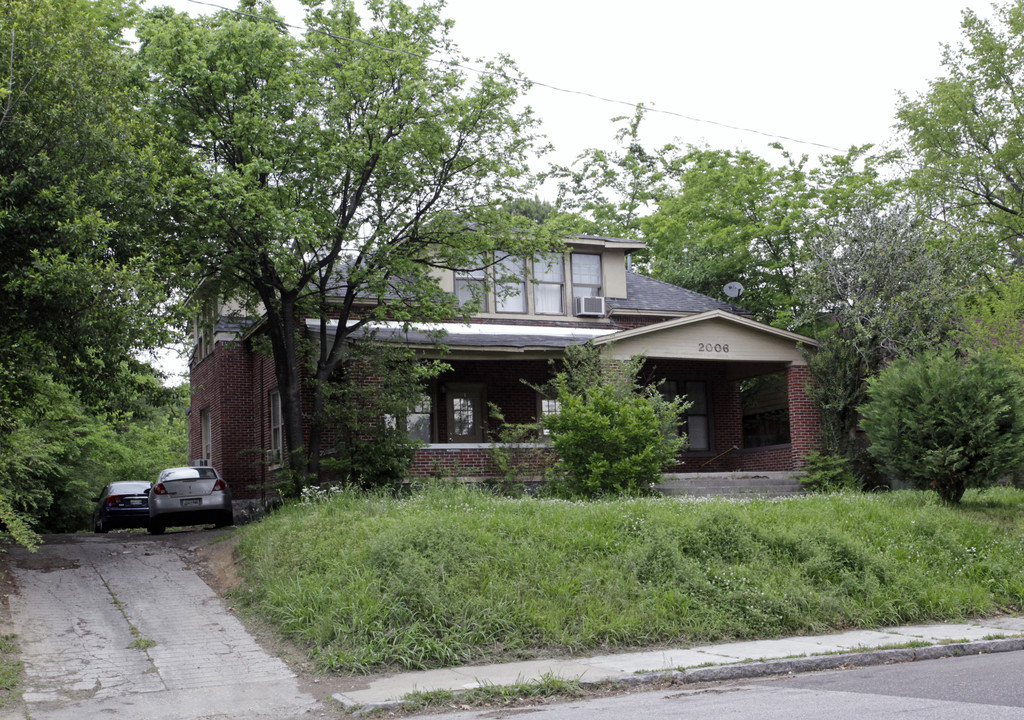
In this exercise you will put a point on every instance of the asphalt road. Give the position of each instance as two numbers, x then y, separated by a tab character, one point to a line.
121	628
980	687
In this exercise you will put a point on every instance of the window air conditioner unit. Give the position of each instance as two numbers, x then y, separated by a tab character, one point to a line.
589	306
200	462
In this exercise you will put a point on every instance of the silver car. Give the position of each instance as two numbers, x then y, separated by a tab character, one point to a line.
189	496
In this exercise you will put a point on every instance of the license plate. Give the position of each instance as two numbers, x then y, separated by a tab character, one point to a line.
134	502
189	502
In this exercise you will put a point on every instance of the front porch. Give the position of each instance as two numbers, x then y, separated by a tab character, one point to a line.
711	359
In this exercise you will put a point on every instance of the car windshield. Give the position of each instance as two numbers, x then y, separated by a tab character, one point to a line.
129	488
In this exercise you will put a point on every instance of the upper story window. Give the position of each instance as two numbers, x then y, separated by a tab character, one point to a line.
471	285
205	321
586	275
510	280
549	285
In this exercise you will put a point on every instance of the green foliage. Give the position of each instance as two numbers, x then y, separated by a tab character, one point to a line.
11	671
83	286
967	136
319	177
613	190
611	435
877	289
517	452
449	576
941	422
827	473
734	217
367	404
58	453
993	321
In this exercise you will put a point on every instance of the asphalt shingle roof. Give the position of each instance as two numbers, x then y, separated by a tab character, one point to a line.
654	295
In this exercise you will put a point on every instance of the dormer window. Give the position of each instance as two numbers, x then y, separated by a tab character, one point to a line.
510	283
586	275
549	285
471	286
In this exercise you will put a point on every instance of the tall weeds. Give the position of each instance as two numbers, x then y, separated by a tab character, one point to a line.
453	576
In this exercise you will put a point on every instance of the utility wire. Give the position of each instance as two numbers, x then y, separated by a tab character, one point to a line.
494	73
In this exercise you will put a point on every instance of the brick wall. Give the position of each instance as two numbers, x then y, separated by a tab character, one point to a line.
232	384
804	418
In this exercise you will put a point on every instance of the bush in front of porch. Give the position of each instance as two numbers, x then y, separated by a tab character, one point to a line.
612	435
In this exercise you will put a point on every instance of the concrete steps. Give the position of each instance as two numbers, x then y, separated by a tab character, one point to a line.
731	484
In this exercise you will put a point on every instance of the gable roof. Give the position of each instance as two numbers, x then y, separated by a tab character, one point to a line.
649	295
704	318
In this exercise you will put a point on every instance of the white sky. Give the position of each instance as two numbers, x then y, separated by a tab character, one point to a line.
819	71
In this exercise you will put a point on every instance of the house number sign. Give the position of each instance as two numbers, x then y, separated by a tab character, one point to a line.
713	347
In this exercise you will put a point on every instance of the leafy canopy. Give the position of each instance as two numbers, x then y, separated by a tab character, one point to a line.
331	176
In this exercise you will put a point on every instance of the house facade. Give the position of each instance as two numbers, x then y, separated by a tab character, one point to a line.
746	382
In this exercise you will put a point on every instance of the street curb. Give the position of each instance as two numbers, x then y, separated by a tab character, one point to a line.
767	668
791	666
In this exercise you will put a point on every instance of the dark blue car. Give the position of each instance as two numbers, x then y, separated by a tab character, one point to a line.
122	504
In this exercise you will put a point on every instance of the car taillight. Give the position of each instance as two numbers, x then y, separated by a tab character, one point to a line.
159	489
112	500
220	485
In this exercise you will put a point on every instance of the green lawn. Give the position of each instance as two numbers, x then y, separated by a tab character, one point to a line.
451	576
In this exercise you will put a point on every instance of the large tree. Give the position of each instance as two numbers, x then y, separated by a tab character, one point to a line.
967	135
610	191
733	216
330	176
80	287
876	289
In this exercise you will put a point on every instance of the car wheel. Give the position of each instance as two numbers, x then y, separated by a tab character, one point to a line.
156	528
99	527
226	519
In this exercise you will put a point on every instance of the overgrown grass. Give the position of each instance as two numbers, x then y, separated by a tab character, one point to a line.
10	671
452	576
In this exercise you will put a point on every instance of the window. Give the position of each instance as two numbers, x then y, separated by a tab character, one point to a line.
586	275
698	434
205	320
417	422
471	285
206	432
276	428
510	281
547	407
549	285
465	413
696	420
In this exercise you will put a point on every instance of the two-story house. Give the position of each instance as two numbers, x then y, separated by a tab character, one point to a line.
697	346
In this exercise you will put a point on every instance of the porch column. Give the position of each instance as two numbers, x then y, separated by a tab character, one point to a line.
804	419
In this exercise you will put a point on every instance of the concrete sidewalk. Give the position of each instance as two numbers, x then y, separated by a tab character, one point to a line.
713	662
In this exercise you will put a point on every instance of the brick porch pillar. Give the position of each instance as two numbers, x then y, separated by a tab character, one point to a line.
804	419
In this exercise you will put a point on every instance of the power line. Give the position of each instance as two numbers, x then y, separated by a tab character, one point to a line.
494	73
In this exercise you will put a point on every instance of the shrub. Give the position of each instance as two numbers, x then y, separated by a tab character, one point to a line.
612	437
947	423
827	473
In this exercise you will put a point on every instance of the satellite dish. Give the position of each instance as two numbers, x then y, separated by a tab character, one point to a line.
733	289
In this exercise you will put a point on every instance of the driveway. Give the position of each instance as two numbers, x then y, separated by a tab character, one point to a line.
118	626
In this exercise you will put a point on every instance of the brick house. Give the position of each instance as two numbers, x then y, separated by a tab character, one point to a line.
708	350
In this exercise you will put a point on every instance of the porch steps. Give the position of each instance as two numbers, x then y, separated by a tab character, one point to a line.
731	484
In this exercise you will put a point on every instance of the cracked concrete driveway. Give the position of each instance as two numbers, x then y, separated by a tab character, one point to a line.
122	628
